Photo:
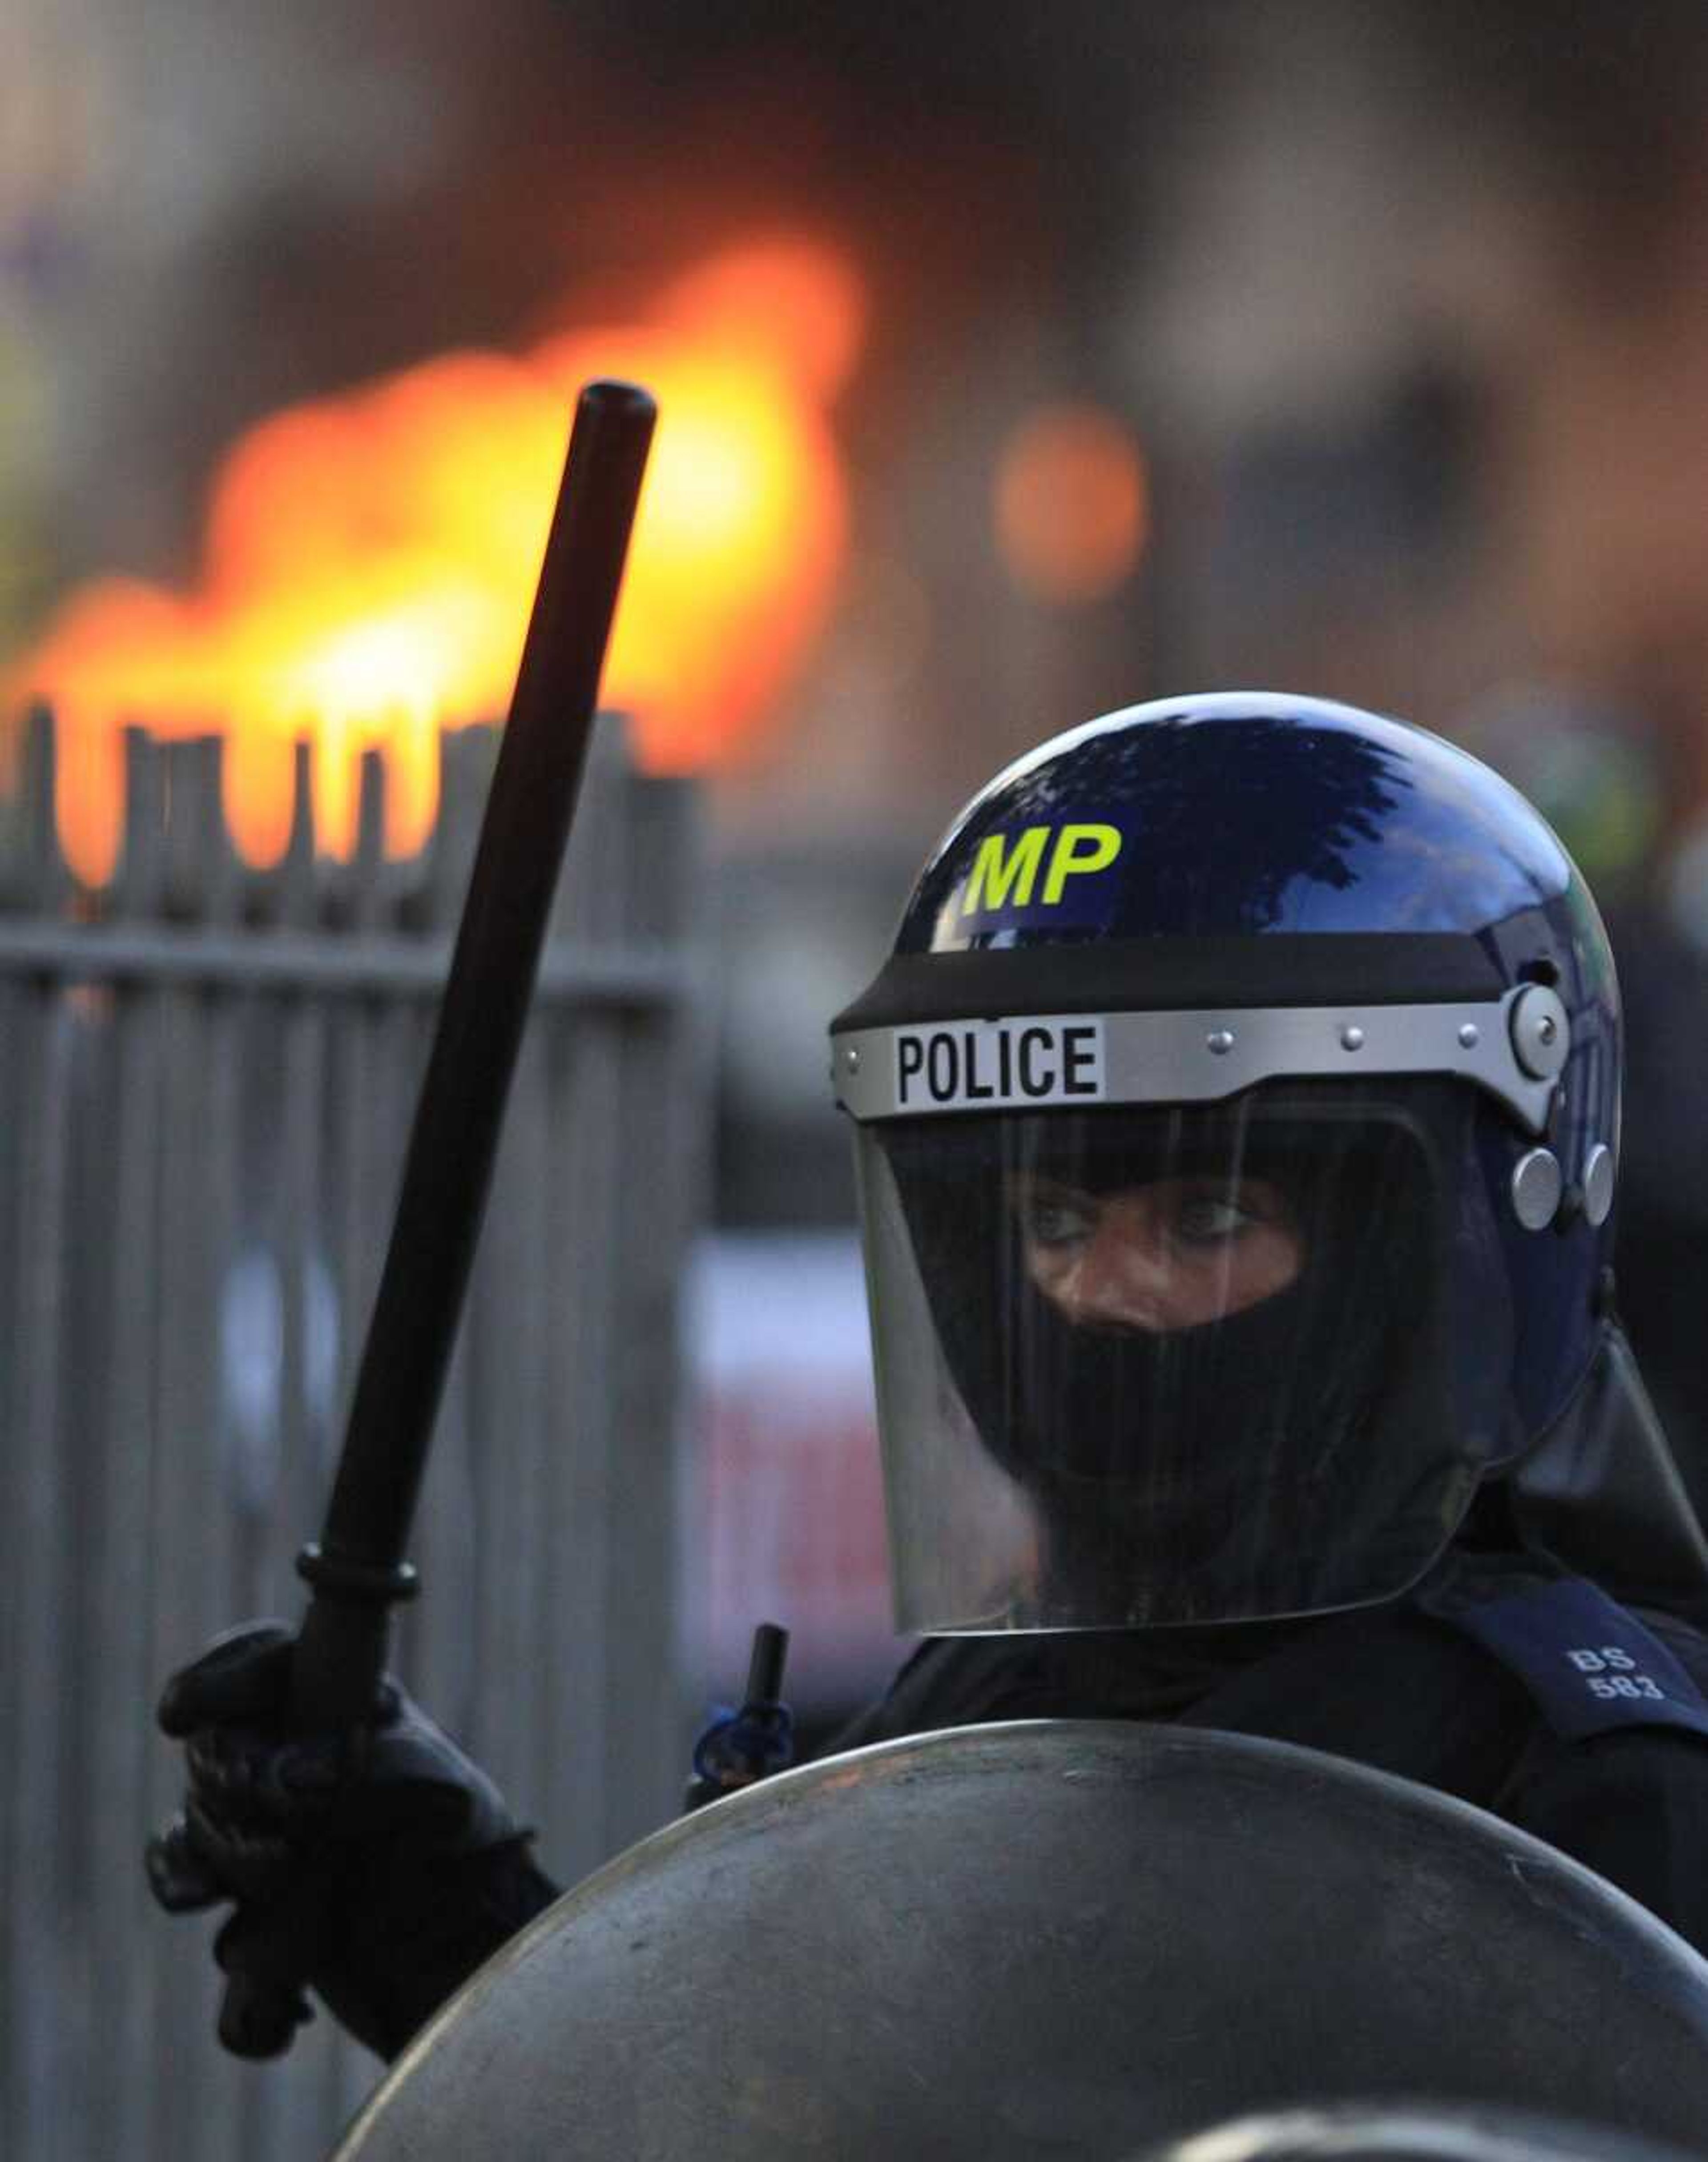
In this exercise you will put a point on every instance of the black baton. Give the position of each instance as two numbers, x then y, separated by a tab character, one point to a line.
357	1568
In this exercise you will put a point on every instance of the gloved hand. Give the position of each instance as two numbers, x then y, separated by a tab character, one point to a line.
381	1866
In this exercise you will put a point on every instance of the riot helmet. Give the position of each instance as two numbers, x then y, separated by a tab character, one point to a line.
1237	1124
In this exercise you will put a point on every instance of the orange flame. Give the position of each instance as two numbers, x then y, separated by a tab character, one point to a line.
369	561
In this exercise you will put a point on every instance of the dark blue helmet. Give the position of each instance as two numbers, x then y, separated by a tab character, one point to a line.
1238	1128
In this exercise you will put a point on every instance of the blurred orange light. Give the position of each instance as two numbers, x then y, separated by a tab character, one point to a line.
1071	503
369	561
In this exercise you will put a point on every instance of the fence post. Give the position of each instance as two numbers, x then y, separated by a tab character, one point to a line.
205	1090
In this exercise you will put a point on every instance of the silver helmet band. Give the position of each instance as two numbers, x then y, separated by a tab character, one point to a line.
1515	1048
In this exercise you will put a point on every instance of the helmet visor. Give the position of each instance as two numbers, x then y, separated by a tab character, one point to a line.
1165	1365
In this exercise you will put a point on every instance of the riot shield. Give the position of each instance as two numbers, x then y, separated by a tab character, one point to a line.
1062	1938
1409	2132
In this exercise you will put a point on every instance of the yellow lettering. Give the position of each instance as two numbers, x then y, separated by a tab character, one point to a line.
1079	849
997	872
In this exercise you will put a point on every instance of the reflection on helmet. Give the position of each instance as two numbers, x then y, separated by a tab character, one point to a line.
1193	1110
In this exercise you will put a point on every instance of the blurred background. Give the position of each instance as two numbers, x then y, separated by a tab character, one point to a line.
1016	363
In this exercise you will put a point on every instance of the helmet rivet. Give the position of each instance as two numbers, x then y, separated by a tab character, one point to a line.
1468	1035
1220	1041
1352	1037
853	1062
1541	1033
1598	1183
1538	1183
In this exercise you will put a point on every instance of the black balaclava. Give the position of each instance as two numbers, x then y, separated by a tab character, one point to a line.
1243	1445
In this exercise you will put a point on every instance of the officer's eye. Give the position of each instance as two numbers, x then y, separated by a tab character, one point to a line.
1207	1219
1052	1217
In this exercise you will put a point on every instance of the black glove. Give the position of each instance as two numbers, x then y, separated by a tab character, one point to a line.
381	1866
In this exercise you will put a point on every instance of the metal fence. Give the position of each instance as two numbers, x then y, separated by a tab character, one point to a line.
206	1075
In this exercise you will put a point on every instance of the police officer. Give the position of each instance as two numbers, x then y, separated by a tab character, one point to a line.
1237	1126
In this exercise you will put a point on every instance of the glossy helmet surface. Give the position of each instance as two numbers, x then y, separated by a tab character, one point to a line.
1291	911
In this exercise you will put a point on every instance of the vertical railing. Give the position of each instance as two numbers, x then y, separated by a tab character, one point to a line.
207	1074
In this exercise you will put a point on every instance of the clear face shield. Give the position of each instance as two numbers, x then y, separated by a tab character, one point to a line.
1151	1366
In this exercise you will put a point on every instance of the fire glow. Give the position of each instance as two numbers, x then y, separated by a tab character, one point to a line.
369	559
